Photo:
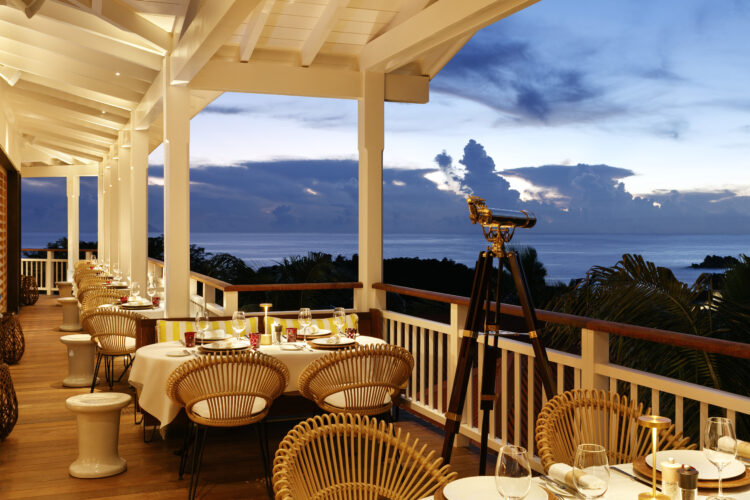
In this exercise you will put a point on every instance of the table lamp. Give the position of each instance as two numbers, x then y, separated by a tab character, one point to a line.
265	339
653	422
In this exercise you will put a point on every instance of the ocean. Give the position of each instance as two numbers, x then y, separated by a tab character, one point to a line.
565	256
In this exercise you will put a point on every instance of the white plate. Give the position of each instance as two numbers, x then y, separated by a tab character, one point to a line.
225	345
706	470
178	354
483	488
317	333
213	335
330	341
291	347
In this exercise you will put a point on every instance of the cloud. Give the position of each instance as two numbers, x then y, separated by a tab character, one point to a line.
226	110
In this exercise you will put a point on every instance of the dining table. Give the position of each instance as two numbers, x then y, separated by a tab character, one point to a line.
152	312
154	363
621	487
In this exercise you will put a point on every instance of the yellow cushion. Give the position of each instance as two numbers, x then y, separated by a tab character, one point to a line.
350	321
167	330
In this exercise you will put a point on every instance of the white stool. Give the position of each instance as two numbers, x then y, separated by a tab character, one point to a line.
81	353
98	415
65	288
70	314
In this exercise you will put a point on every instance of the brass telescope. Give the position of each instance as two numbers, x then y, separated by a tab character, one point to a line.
479	212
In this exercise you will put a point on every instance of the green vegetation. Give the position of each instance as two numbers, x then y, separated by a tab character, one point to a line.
716	262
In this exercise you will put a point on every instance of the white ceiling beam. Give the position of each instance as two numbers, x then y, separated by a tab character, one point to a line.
74	16
85	170
65	96
67	122
151	104
55	74
74	152
321	30
215	22
82	37
435	60
123	16
77	132
52	107
255	23
408	10
31	150
65	141
62	46
442	21
271	78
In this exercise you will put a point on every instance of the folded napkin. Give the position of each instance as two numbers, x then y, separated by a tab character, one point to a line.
726	443
563	473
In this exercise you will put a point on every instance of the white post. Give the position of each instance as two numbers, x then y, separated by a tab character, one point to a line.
114	208
176	115
594	349
371	125
100	214
124	196
106	229
73	189
139	204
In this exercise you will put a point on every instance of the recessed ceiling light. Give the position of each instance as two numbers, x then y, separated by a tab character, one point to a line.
117	74
104	112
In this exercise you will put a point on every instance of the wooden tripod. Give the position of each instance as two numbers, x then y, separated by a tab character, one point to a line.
482	316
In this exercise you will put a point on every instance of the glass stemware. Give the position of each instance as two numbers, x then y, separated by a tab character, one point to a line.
512	472
591	470
116	272
338	318
238	323
719	454
201	323
135	290
151	290
305	319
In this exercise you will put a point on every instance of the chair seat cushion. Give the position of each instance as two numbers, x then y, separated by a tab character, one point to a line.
338	399
130	347
202	409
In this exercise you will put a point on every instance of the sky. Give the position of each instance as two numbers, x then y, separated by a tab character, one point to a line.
598	115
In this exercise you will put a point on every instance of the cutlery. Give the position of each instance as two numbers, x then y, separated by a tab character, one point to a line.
631	476
561	487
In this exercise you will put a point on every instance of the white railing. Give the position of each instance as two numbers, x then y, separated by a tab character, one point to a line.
47	271
435	349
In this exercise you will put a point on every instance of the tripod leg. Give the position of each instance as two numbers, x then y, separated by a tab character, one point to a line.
529	314
467	354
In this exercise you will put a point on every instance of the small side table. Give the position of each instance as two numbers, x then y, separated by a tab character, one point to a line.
70	315
81	352
65	289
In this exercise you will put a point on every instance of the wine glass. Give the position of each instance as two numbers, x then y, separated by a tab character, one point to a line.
151	291
591	470
135	290
719	454
338	318
238	323
512	472
201	323
305	319
116	272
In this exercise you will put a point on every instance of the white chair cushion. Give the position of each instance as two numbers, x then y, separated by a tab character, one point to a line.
338	399
202	410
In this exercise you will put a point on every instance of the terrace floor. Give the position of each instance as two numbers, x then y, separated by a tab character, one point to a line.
34	458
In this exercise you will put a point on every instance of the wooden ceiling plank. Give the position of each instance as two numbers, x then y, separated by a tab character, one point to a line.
52	152
442	21
69	151
87	170
62	46
33	101
61	140
55	75
123	16
435	60
320	32
66	96
63	120
84	38
74	16
407	12
255	23
30	123
215	22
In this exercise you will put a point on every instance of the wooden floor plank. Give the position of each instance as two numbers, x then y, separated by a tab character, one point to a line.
34	458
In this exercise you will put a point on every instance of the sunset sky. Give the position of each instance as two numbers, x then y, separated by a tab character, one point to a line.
651	97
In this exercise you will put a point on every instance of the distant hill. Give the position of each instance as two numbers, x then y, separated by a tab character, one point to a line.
716	262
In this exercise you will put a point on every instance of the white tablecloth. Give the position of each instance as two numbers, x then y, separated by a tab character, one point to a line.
152	367
621	487
155	313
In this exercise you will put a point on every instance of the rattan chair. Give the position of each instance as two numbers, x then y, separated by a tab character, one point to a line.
226	390
85	273
590	416
364	380
29	291
113	331
12	342
99	297
348	456
8	402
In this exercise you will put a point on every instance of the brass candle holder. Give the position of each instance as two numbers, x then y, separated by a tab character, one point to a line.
653	422
265	306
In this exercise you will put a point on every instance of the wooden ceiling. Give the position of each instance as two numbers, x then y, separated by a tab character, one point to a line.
75	74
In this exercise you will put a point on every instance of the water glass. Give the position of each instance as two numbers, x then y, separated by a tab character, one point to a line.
591	470
201	323
512	472
238	323
151	290
135	290
718	454
339	315
305	319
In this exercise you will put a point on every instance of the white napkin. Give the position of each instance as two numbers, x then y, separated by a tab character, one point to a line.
563	473
726	443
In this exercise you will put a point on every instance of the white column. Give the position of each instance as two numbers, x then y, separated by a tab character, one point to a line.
371	137
176	197
100	213
74	193
114	209
139	204
124	196
106	219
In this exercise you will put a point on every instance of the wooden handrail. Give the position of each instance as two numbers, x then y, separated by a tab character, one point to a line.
706	344
56	249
